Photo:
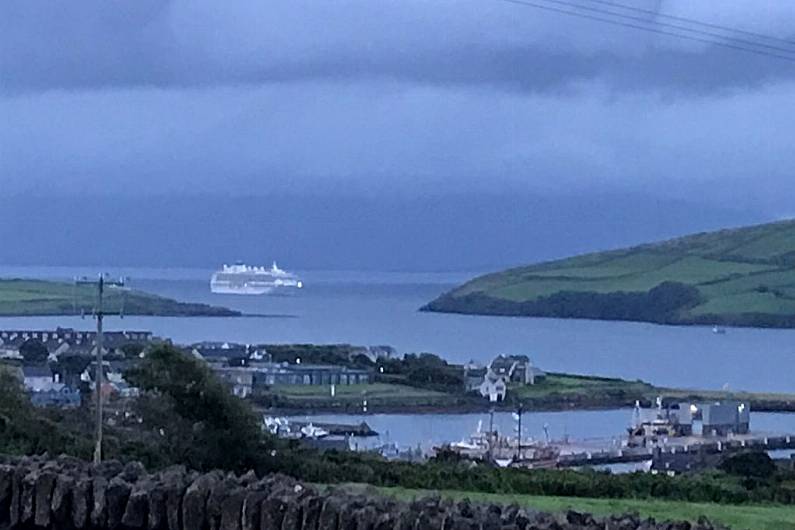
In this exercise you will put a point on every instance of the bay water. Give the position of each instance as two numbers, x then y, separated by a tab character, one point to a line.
381	308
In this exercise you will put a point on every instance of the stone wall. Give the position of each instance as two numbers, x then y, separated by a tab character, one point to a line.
65	493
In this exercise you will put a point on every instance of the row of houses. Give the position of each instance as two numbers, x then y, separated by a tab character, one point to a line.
51	385
59	335
229	350
493	381
70	365
62	341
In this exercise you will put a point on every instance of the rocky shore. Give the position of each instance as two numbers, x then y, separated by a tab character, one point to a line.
66	493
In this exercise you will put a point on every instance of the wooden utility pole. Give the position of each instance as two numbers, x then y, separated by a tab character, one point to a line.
99	313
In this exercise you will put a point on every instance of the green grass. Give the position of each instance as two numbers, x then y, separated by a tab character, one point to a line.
738	517
554	392
563	385
36	297
380	396
740	275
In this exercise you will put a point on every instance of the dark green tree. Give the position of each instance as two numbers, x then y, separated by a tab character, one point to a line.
33	351
754	464
26	430
198	421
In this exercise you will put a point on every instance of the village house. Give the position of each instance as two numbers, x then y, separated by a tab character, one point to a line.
725	418
224	351
493	387
492	381
39	378
46	389
62	397
239	379
516	369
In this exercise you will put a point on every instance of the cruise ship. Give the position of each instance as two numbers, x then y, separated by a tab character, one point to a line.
244	279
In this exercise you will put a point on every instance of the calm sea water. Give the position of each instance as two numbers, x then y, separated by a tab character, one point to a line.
598	428
381	308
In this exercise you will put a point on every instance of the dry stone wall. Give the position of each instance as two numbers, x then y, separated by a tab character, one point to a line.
65	493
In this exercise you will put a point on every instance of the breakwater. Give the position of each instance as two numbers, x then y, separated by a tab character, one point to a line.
66	493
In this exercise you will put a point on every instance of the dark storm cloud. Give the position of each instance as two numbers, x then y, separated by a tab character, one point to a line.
98	44
399	120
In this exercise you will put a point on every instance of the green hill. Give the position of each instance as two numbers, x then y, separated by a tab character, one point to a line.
737	277
37	297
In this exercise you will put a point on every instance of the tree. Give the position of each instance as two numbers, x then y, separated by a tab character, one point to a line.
197	419
132	350
26	430
754	464
33	351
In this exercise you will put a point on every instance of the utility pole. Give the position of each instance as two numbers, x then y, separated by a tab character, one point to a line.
99	313
519	433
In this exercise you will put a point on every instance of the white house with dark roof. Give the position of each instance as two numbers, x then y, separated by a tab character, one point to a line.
492	381
40	379
493	387
516	369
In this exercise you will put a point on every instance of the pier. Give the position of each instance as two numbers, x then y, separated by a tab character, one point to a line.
680	451
338	429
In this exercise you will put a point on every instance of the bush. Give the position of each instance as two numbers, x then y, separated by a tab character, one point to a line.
199	423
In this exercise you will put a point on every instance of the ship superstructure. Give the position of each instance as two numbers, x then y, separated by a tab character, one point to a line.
245	279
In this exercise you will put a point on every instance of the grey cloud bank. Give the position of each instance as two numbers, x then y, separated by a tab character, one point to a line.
95	44
423	113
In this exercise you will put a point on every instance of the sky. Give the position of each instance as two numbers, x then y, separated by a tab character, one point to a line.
396	134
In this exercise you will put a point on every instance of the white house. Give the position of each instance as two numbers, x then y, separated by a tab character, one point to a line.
493	387
40	379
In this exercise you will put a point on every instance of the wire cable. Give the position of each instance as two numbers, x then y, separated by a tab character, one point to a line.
615	22
738	41
692	21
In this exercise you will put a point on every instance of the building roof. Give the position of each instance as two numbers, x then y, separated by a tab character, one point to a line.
477	372
234	351
325	368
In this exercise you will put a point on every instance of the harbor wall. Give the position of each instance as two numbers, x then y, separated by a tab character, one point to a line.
66	493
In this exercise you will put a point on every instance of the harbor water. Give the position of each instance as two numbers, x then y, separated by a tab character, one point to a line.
602	428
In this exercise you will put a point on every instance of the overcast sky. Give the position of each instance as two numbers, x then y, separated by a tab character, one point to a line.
395	100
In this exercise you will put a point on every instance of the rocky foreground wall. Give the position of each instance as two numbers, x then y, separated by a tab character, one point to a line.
66	493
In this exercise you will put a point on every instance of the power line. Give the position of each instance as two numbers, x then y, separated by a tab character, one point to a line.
693	21
744	42
615	22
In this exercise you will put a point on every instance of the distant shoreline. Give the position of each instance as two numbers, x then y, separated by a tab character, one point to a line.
557	393
440	308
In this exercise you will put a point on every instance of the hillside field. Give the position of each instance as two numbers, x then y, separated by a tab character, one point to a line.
742	277
37	297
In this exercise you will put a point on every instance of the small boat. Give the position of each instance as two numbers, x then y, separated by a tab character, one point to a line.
717	330
310	431
503	462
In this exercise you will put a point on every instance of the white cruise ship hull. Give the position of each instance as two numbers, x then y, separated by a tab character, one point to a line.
241	279
250	290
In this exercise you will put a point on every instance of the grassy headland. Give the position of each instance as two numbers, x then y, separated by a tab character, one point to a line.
737	277
46	298
425	382
555	392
